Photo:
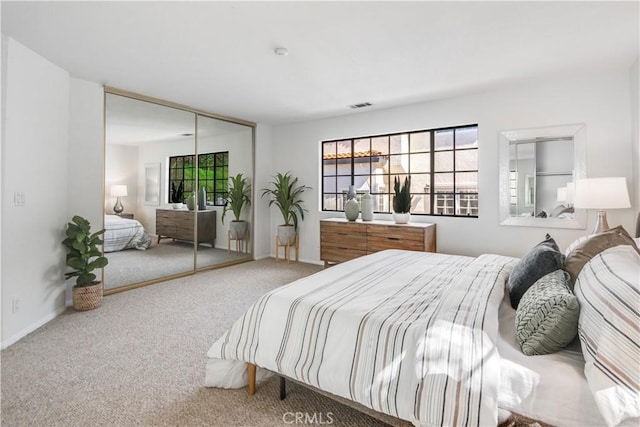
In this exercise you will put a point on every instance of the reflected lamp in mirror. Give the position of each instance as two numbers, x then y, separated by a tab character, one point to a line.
601	194
118	191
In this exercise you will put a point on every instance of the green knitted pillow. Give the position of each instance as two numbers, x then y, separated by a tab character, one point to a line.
547	316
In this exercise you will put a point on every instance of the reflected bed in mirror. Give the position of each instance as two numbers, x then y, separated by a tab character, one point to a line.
537	170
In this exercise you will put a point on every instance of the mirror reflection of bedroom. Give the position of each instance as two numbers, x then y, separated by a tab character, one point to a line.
166	181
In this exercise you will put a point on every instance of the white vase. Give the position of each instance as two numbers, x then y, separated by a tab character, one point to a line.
367	207
401	218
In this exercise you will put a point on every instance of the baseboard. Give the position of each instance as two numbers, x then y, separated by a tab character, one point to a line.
26	331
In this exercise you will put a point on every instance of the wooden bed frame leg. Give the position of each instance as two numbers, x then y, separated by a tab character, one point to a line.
283	388
251	369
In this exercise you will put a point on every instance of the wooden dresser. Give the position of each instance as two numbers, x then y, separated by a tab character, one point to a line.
178	224
342	240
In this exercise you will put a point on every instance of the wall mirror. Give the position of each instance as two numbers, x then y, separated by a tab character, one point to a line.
537	170
168	168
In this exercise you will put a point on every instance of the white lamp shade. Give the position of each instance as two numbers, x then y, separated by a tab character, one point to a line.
602	193
118	190
561	195
571	191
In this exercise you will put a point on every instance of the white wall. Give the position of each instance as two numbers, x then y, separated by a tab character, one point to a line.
601	101
85	155
264	233
35	162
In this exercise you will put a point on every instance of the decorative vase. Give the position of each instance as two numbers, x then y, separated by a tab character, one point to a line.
367	206
351	209
352	192
202	199
191	201
401	218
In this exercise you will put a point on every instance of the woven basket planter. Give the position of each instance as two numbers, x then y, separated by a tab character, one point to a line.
87	297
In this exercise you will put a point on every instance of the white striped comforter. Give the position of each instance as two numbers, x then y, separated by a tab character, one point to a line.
410	334
123	233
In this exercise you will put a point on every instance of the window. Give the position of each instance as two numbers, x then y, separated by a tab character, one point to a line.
213	175
442	163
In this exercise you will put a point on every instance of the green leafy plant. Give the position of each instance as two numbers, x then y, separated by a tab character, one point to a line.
83	255
177	193
286	195
239	196
402	199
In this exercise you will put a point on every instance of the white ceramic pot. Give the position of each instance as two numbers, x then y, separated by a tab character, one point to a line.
237	229
401	218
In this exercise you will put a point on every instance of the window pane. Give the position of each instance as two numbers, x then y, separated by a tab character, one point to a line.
422	203
344	167
467	137
467	182
399	164
443	182
329	202
399	143
379	164
467	160
420	141
443	161
329	185
420	163
329	149
329	167
362	165
361	146
467	204
380	144
444	204
344	148
343	184
380	183
381	203
443	139
420	183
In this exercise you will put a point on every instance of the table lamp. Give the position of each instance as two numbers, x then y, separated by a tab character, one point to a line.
601	194
118	191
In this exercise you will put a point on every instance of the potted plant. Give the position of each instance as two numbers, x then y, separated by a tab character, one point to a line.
287	196
239	196
177	195
83	256
402	200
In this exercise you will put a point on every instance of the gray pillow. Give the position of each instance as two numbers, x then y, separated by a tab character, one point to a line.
547	317
543	259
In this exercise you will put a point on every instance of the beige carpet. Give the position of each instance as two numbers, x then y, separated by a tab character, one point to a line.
139	360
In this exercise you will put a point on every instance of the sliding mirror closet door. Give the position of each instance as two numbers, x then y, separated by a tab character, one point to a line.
149	172
225	150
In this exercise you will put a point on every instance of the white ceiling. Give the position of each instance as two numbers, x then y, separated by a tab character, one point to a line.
218	56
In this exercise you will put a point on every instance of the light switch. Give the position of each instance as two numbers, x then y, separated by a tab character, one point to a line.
18	198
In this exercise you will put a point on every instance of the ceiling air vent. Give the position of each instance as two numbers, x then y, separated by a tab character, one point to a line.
361	105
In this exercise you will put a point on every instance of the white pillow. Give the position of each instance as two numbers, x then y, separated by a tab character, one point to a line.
608	290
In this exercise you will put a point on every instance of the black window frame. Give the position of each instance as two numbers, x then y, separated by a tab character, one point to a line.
457	195
213	174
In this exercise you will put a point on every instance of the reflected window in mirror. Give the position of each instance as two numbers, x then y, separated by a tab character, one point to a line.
212	170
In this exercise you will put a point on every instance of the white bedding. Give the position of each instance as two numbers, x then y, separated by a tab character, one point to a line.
123	233
556	388
416	339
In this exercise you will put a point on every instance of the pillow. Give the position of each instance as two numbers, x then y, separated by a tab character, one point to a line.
608	290
547	316
591	247
543	259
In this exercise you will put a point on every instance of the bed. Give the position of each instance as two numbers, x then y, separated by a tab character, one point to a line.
426	338
123	233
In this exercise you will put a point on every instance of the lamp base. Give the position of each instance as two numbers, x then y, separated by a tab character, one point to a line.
601	222
118	208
